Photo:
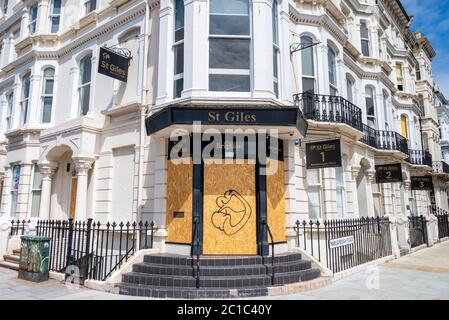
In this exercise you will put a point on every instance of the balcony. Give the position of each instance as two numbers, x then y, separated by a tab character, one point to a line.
440	167
324	108
419	158
384	140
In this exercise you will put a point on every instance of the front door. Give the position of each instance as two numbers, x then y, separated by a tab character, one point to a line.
229	209
73	198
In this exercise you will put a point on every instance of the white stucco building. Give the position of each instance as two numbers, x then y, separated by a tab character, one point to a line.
74	142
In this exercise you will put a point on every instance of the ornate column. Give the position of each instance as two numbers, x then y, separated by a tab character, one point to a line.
82	166
47	171
370	179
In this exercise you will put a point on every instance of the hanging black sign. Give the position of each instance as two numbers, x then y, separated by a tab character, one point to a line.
421	183
389	173
113	64
324	154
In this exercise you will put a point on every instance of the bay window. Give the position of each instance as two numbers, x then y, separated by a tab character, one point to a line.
36	192
25	101
10	105
84	84
332	66
307	65
178	49
14	190
90	5
370	107
275	28
229	46
47	94
55	15
33	19
364	38
314	193
341	191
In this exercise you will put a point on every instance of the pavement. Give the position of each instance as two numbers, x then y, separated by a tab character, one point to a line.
423	275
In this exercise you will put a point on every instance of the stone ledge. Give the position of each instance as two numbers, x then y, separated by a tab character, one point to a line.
300	286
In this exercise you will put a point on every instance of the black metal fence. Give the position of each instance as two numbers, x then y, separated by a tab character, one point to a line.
443	221
384	140
344	244
328	108
96	249
417	231
419	157
18	227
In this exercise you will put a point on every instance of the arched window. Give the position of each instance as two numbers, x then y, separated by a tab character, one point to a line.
25	100
350	89
275	17
307	65
364	38
178	49
84	84
47	94
404	128
370	103
332	66
55	15
229	46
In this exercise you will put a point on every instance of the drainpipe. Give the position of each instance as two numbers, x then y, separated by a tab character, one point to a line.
143	112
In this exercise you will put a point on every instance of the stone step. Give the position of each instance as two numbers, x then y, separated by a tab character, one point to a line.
12	258
16	252
246	281
9	265
217	271
189	293
219	260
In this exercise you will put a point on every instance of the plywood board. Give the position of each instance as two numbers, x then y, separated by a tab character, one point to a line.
179	202
229	224
276	202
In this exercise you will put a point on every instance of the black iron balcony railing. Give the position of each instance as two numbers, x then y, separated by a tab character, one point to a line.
419	157
440	167
324	108
384	140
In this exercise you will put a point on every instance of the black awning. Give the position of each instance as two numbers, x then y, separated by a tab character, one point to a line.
233	115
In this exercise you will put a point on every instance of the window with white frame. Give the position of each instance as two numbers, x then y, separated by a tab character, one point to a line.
350	89
47	94
9	106
84	84
25	101
36	192
399	77
15	181
364	38
314	193
341	191
229	46
55	15
5	7
90	5
307	65
370	107
418	72
33	19
275	23
385	105
332	66
178	49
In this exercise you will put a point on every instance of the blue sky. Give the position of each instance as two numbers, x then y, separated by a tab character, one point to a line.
432	19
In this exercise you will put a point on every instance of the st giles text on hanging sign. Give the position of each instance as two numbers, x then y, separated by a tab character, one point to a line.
421	183
324	154
389	173
113	65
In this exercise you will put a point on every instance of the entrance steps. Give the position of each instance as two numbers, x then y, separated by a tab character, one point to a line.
11	261
172	276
